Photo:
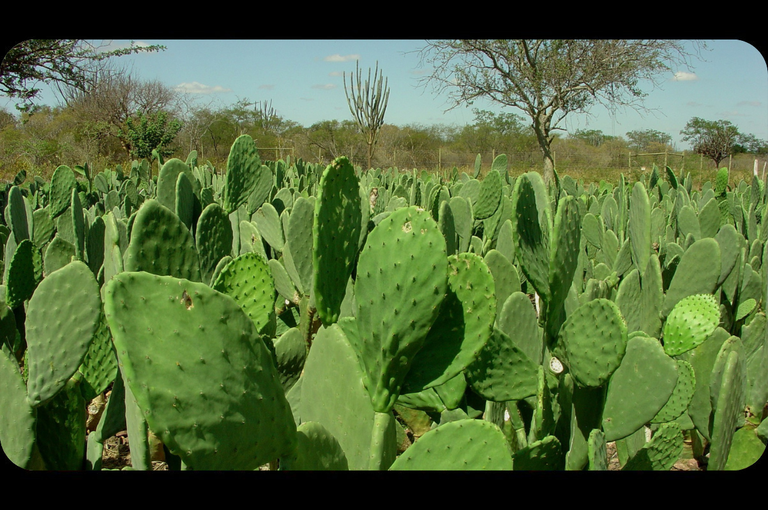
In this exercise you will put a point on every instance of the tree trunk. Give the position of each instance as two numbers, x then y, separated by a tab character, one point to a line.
541	129
549	167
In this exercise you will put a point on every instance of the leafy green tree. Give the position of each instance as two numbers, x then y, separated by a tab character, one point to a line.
60	62
548	79
146	133
647	139
593	137
750	144
714	139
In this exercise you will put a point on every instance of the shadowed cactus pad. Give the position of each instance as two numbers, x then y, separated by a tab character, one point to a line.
332	394
462	328
18	419
318	450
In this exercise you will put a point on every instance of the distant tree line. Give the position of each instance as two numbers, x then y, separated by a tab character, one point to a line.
112	117
41	139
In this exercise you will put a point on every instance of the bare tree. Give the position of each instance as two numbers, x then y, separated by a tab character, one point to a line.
368	103
548	79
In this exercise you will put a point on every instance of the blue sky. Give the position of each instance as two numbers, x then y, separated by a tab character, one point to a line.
303	80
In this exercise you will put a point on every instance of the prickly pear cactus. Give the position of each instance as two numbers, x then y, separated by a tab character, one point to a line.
483	448
592	342
401	282
62	318
690	322
243	165
161	244
639	388
199	371
337	226
248	280
465	324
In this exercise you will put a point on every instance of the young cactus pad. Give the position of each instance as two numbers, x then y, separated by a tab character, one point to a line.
690	322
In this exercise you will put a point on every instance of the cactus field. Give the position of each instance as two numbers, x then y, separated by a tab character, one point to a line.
285	315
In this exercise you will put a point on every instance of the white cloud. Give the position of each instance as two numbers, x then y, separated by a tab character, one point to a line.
199	88
324	86
684	76
342	58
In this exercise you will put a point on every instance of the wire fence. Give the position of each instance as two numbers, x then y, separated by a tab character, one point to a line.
589	165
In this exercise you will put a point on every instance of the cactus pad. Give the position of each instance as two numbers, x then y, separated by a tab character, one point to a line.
401	282
161	244
690	322
593	341
458	445
248	280
336	236
639	388
202	376
62	318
